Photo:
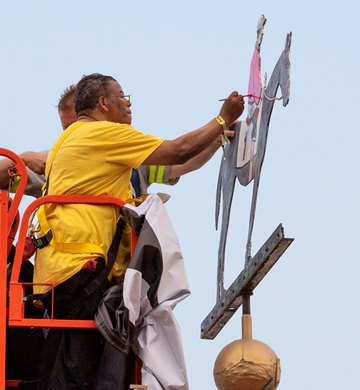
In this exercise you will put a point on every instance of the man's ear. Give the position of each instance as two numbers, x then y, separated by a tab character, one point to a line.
103	103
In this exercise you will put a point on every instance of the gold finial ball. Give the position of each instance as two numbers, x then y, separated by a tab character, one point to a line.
247	364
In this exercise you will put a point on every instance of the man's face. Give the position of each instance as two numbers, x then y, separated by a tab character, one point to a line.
67	118
119	105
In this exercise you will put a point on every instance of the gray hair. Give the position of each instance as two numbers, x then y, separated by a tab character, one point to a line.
88	91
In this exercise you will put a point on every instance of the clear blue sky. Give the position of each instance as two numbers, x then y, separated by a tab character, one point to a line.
177	58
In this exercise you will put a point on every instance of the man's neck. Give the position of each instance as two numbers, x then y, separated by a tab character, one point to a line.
87	118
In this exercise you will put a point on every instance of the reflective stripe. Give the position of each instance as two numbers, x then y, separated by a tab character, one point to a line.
152	170
156	173
160	174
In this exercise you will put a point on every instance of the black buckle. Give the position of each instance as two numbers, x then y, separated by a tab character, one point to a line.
41	242
34	297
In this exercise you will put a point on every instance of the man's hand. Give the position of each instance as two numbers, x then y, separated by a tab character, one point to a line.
232	107
35	161
229	134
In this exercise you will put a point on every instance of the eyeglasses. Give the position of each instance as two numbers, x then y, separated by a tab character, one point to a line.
127	97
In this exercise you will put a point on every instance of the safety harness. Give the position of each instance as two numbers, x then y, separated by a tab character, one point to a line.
48	237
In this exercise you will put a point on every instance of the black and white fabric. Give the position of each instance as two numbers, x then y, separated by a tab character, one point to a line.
139	314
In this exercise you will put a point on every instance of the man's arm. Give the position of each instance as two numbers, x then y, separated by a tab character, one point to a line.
198	161
5	164
185	147
33	160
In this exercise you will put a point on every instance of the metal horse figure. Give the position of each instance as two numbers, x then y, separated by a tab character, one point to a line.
229	171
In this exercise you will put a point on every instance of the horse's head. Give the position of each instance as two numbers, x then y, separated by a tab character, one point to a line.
285	71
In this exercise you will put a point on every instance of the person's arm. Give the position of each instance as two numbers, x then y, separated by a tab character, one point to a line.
201	159
33	160
185	147
5	164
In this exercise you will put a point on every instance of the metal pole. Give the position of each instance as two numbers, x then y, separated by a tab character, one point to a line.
246	320
246	303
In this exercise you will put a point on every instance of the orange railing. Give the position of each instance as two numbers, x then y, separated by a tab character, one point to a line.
16	307
8	213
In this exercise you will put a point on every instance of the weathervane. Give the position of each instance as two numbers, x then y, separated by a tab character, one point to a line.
248	363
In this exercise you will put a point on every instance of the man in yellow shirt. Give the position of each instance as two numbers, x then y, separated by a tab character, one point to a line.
145	175
95	156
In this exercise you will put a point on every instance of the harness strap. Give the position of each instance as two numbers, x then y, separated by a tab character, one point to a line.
65	134
112	254
47	238
101	278
67	247
43	241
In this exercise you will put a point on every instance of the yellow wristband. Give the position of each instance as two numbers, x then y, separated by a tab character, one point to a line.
220	121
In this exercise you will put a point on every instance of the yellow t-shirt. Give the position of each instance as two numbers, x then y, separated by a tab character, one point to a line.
95	158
